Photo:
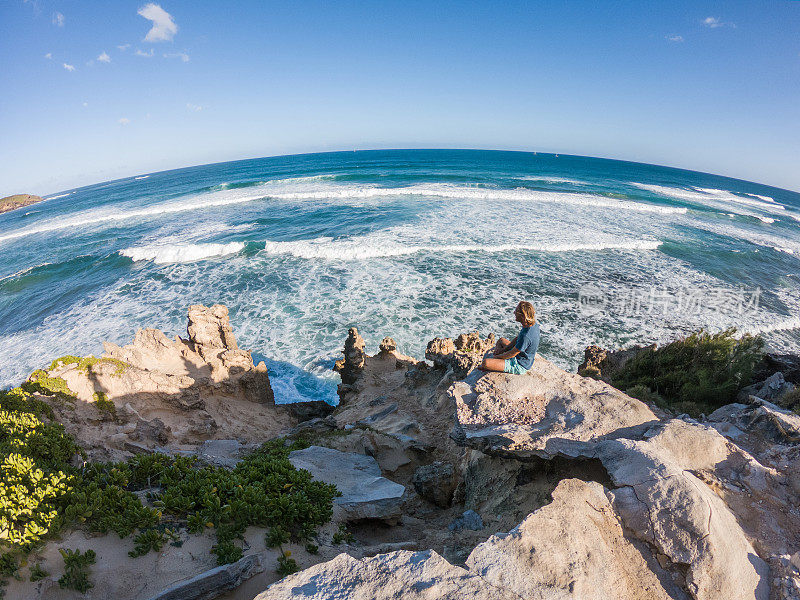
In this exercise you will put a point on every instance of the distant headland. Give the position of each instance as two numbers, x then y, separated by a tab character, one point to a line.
18	201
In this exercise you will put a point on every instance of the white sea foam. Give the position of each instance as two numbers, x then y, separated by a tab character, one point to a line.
717	199
470	193
781	325
142	177
181	253
59	196
360	249
94	218
546	179
306	190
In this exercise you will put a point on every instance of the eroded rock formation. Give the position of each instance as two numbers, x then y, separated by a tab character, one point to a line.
170	394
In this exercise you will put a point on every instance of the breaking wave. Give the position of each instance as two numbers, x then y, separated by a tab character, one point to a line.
181	253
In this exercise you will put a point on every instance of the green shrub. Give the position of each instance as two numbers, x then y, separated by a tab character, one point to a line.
41	492
698	373
41	383
104	405
37	573
790	400
287	565
76	570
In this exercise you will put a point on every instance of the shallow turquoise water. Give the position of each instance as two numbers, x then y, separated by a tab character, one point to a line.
413	244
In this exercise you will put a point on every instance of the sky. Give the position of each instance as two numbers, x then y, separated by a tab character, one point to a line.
93	91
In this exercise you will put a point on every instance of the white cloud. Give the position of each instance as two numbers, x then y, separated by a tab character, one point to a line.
85	104
182	55
124	121
714	22
194	107
124	47
675	38
145	54
104	57
58	19
69	67
164	28
49	55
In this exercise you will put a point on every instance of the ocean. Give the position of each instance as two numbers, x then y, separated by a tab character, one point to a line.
412	244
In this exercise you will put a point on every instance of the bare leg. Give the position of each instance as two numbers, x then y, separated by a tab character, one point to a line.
493	364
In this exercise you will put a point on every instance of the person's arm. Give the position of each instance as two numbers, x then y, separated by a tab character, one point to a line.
505	349
510	353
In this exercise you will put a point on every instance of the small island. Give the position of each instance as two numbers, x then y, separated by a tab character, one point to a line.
18	201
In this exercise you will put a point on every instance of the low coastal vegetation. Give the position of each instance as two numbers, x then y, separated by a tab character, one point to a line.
43	491
695	374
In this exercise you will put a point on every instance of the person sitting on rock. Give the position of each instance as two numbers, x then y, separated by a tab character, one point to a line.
516	356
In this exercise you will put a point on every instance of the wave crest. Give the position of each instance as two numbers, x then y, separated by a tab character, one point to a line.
181	253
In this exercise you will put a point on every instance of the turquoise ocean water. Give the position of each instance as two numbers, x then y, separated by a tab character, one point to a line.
412	244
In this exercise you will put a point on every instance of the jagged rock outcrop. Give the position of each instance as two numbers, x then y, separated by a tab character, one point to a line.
162	393
771	388
601	363
350	367
460	355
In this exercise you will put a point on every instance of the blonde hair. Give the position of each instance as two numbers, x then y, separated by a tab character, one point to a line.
528	312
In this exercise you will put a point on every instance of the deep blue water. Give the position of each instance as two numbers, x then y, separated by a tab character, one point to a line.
408	243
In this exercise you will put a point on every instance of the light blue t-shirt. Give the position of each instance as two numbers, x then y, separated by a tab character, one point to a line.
527	344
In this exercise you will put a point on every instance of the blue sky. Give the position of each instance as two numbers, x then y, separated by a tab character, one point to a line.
95	91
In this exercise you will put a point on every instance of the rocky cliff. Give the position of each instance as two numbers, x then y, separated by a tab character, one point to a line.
454	482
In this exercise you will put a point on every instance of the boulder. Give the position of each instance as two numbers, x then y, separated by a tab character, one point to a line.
541	413
214	582
436	483
366	494
408	575
469	519
574	547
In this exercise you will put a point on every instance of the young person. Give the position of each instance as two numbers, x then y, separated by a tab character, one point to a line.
516	356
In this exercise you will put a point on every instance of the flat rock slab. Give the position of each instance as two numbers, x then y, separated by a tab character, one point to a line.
366	494
408	575
542	412
214	582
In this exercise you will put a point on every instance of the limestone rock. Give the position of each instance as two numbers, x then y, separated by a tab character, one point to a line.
469	519
214	582
387	345
408	575
436	483
351	365
772	388
604	364
174	393
366	494
670	508
461	355
209	327
542	412
574	547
